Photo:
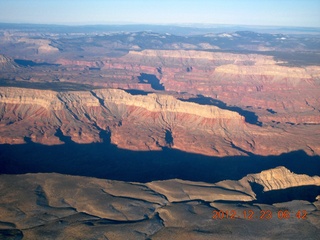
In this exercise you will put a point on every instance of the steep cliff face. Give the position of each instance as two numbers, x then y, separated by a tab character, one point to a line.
281	178
153	118
216	58
7	64
41	46
139	122
135	122
258	81
275	91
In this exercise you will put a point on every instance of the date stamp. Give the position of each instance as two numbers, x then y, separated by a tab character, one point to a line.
262	214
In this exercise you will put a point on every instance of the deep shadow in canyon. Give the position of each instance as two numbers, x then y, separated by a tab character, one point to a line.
29	63
105	160
136	92
152	80
250	117
306	193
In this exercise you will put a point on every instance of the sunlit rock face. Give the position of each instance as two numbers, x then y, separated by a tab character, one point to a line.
240	79
285	99
280	178
255	81
7	64
69	207
197	128
141	122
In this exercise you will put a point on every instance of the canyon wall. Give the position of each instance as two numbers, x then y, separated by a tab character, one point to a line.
7	64
142	122
276	92
246	80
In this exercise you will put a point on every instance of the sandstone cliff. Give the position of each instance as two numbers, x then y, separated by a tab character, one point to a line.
258	81
281	178
275	91
244	80
140	122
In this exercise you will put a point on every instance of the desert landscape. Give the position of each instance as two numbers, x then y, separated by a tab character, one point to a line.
122	132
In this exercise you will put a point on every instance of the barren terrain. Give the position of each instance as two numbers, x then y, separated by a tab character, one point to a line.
70	207
119	132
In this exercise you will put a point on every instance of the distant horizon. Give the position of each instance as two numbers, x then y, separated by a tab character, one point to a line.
186	25
284	13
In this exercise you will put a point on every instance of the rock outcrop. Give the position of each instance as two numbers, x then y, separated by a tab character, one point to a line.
7	64
272	179
67	207
281	178
198	97
42	46
243	80
276	92
141	122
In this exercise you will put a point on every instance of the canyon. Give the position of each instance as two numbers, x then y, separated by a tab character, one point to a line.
284	100
110	133
142	122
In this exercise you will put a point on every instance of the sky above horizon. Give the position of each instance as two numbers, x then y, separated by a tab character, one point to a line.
235	12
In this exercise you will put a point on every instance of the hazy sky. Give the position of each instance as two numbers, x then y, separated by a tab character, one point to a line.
245	12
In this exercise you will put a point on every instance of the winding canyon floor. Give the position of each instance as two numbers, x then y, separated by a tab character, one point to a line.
114	133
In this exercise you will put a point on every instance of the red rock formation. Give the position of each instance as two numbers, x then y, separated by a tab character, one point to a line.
286	100
142	122
237	79
241	80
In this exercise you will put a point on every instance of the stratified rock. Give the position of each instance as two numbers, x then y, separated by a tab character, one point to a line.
142	122
281	178
42	46
254	80
56	206
7	64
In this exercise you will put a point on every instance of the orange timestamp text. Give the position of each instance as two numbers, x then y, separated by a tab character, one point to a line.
262	214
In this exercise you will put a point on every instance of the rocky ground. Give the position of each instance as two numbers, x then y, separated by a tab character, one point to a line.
55	206
74	97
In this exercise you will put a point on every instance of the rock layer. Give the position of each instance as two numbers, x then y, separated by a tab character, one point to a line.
56	206
140	122
7	64
245	80
281	178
